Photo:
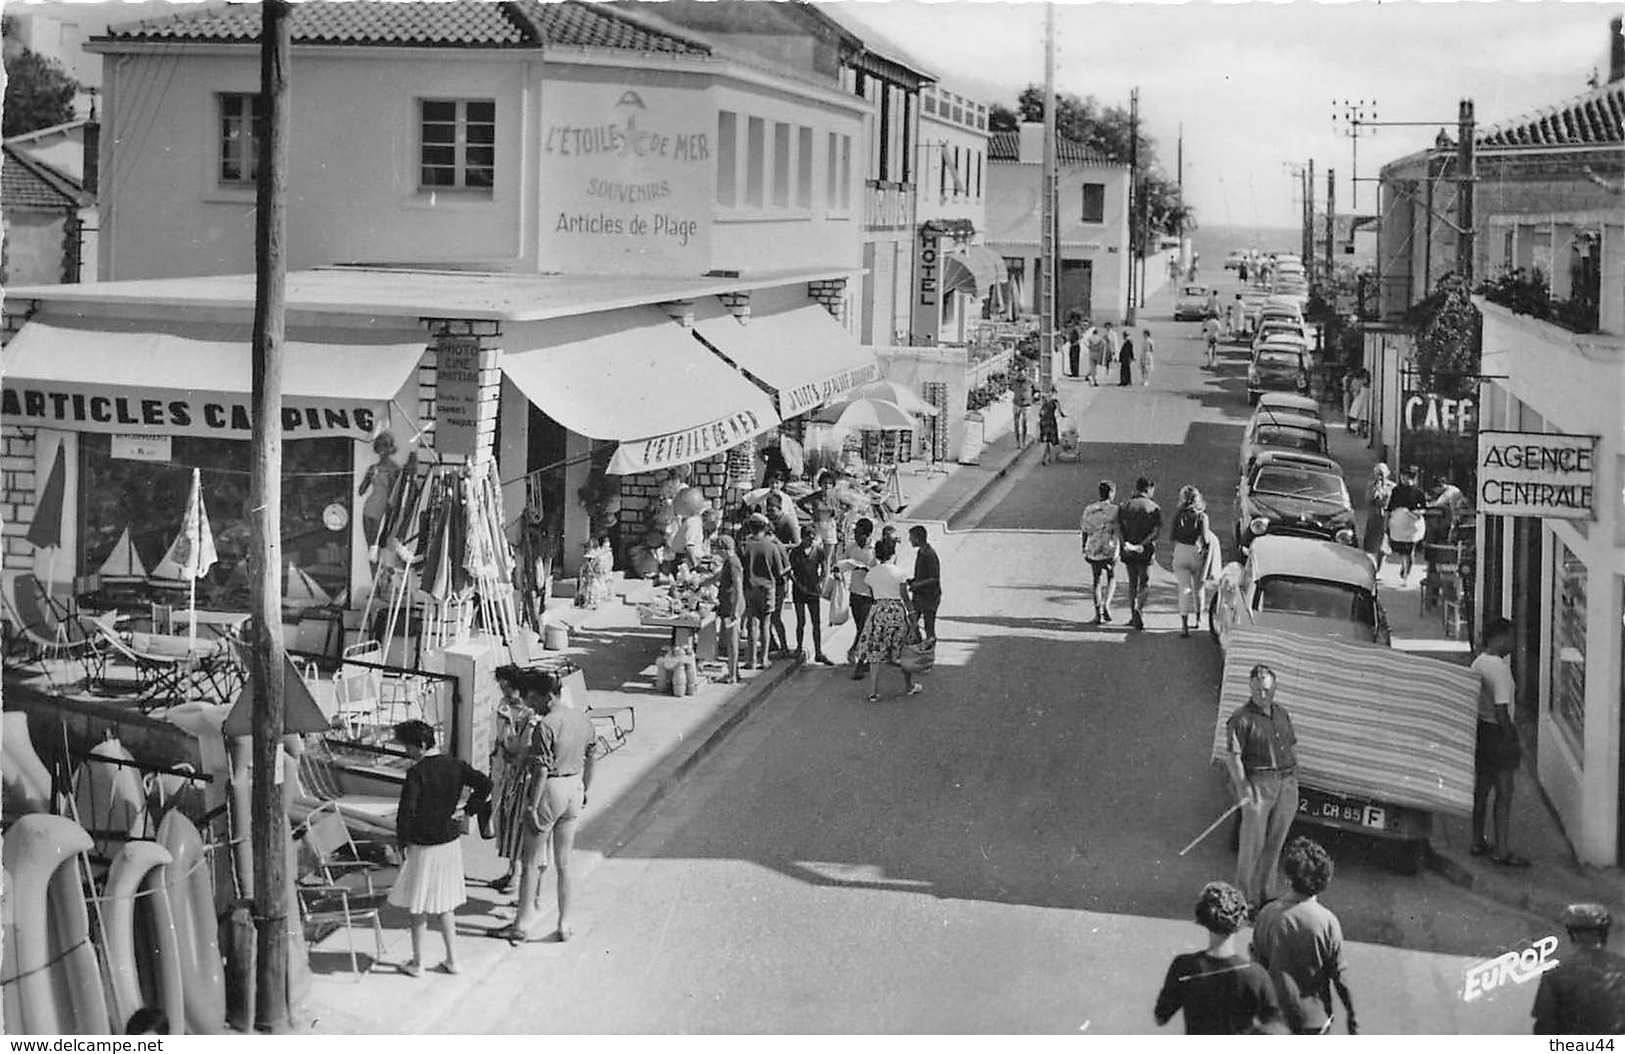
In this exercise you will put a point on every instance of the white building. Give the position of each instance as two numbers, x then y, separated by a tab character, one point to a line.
953	271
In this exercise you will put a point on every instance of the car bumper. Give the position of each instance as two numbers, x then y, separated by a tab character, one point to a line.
1363	815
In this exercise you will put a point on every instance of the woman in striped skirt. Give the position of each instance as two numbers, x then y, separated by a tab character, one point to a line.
511	770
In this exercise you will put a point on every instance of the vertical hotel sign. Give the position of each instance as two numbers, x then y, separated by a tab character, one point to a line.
926	322
630	176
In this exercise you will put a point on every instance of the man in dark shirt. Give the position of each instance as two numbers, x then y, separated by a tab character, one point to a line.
1300	942
1584	995
1262	764
766	566
1139	522
926	585
808	571
1221	991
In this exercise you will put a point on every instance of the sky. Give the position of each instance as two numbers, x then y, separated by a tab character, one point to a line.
1253	83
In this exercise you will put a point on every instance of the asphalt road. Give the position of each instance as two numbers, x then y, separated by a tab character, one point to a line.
998	854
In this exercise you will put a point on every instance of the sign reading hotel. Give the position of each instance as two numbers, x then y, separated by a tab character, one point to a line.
631	178
926	323
1537	474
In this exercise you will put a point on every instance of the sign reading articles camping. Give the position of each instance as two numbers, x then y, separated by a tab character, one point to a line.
1537	474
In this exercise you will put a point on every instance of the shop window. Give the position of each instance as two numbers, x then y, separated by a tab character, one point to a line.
781	165
458	147
242	118
755	161
846	173
149	499
804	167
978	175
1569	645
832	181
1094	203
727	158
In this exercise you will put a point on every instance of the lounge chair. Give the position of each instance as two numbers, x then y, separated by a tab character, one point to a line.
48	638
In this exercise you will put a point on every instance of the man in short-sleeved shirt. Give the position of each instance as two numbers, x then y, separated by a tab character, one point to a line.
1139	522
1022	390
1262	762
1101	543
1497	754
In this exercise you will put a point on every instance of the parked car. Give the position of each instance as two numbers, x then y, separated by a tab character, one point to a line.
1281	331
1301	434
1191	304
1233	261
1287	402
1277	368
1291	494
1305	585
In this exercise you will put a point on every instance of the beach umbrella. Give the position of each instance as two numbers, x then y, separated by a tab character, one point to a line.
45	532
192	553
901	394
875	415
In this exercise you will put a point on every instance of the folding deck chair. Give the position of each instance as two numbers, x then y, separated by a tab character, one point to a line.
47	635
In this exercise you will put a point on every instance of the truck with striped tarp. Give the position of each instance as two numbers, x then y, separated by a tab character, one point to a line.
1385	737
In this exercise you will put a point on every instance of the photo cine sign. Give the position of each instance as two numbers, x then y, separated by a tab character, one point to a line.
1537	474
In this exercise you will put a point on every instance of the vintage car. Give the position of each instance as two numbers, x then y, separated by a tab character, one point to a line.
1272	328
1305	585
1233	261
1290	494
1281	431
1191	304
1277	368
1287	402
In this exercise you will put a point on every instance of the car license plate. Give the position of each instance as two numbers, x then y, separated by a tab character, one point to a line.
1322	806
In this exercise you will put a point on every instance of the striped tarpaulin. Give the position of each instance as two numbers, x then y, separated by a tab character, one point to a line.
1371	722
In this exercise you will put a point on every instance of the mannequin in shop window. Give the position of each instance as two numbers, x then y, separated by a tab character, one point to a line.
378	486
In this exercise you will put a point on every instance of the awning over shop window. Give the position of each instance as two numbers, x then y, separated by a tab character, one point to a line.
803	354
85	380
637	377
975	271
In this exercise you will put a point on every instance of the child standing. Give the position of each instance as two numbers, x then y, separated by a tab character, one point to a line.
431	880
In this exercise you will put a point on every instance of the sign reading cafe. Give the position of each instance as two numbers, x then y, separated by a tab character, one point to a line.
1537	474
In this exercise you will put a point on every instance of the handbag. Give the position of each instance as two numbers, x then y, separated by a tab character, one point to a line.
917	656
840	600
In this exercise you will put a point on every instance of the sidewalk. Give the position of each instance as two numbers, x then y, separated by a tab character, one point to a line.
1554	878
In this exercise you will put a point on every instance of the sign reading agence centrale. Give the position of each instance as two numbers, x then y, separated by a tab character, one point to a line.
1537	474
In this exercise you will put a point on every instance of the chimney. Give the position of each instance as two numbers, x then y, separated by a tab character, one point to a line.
93	149
1032	143
1616	50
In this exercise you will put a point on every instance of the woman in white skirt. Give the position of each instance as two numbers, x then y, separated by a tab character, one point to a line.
431	881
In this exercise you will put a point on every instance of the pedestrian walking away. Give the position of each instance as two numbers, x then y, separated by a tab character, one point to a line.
1021	390
1049	425
1139	523
808	572
1220	990
1375	540
1498	753
1113	342
565	764
1261	760
890	620
1190	533
1125	363
1210	333
858	559
1584	995
926	586
431	879
1237	318
1407	524
1146	361
1102	546
1074	343
1299	941
1097	345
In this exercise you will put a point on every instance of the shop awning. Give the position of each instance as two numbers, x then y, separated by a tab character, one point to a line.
637	377
802	353
975	271
86	380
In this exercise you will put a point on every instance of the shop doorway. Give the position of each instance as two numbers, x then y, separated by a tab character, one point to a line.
1527	591
1494	572
545	483
1077	288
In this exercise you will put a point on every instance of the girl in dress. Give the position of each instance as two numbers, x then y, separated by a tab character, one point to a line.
859	558
1407	524
431	880
1375	539
510	764
890	621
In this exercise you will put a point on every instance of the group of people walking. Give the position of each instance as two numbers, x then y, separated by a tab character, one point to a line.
1128	533
1107	347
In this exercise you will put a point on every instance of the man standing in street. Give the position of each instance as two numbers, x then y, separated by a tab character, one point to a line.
926	585
1101	548
1300	942
1262	764
1098	347
1074	343
1112	344
1498	754
1139	522
1584	994
1021	389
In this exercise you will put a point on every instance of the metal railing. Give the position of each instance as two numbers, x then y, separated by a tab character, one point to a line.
888	205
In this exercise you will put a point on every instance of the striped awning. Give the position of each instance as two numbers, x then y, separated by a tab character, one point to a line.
976	271
1371	722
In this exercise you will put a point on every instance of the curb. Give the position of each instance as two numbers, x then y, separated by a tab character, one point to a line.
1544	903
958	508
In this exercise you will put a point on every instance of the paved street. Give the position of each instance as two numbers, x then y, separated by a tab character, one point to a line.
998	854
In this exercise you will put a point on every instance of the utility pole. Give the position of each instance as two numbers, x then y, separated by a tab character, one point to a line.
1309	216
1464	195
1331	214
1049	258
269	821
1133	200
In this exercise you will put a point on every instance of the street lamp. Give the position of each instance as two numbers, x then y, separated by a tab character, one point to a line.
1354	117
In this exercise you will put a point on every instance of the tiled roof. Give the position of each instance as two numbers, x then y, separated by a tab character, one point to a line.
1595	118
424	23
26	183
1006	146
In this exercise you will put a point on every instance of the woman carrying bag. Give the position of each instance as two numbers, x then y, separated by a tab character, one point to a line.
888	629
1190	534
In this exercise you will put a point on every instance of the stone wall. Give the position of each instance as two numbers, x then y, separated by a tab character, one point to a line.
640	494
18	482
